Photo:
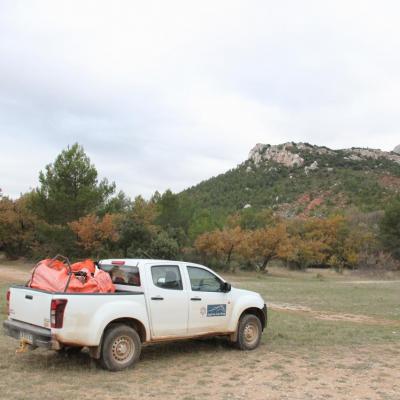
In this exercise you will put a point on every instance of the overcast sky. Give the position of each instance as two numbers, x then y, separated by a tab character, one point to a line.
164	94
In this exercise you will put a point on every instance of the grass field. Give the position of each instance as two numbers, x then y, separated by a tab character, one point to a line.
328	337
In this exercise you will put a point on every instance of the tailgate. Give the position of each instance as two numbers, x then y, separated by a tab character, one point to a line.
31	306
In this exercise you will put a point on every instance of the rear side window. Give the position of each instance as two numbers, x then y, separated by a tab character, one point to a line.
167	277
123	274
202	280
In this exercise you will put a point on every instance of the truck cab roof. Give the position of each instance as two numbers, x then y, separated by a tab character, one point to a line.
143	261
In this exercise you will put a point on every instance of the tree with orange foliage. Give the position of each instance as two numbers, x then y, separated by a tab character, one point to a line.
307	246
220	243
330	241
263	245
17	227
95	233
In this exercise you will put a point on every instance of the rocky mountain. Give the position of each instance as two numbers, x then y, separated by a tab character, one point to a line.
397	149
300	178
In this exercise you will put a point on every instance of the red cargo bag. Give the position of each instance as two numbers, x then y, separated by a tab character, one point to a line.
54	275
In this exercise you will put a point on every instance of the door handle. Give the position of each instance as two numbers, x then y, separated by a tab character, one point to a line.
196	299
157	298
28	296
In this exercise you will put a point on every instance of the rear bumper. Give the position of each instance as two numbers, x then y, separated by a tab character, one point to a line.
34	335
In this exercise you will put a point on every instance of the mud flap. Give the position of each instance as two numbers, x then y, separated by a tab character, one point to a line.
94	352
233	337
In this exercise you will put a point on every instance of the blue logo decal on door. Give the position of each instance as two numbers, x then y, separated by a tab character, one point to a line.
216	310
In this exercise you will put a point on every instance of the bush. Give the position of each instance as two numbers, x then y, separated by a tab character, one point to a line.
390	228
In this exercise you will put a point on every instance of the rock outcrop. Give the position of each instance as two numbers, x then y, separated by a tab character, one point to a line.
358	153
311	167
281	154
293	155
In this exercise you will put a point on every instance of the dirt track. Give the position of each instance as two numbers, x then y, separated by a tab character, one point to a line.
12	274
329	316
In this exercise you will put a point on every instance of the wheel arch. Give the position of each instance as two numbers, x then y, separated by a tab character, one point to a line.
133	323
258	312
254	311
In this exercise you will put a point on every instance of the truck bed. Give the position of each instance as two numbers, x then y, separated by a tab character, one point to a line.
30	313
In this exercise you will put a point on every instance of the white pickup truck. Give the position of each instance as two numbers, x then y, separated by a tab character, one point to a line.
155	300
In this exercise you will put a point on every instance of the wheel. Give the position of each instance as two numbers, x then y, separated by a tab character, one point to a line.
249	332
121	347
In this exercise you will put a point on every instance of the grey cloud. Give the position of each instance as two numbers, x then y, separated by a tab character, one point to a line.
165	94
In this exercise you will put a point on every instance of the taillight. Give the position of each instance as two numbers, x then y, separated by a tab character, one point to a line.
8	296
57	312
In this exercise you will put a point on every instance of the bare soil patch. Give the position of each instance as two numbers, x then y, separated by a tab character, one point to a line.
211	370
13	274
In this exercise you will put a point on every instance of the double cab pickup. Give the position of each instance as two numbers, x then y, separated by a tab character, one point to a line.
154	301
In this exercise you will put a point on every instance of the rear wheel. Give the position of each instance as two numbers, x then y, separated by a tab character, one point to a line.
121	347
249	332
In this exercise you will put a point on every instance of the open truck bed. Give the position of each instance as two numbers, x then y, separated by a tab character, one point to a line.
53	320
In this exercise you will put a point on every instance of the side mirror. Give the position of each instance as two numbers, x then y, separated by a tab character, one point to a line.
226	287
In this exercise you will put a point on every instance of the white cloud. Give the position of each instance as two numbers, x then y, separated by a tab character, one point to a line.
165	94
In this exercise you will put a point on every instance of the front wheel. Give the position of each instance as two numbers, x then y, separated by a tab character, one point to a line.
121	348
249	332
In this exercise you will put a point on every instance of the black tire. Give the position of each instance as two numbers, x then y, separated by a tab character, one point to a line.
121	348
249	332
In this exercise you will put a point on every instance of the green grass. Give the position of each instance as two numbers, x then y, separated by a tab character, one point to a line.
299	331
380	299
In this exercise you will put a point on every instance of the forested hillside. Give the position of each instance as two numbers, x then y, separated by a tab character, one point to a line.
293	179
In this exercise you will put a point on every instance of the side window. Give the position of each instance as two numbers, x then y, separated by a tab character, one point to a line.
202	280
167	277
123	274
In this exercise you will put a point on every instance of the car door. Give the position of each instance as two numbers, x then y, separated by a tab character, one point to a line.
209	307
167	301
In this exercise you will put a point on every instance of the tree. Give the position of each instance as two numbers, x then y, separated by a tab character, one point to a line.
164	247
145	212
134	237
117	204
250	218
306	246
95	234
174	214
266	244
137	228
69	188
220	243
390	227
202	222
17	227
229	240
